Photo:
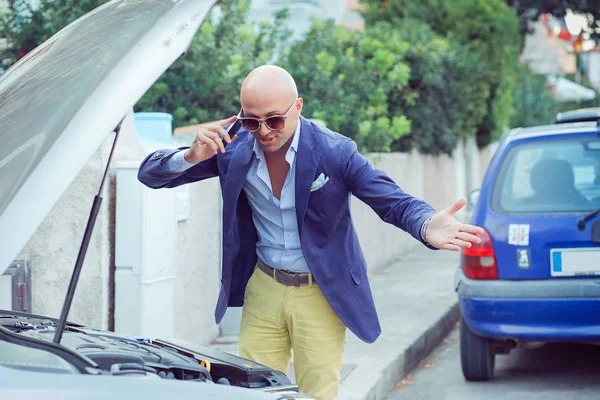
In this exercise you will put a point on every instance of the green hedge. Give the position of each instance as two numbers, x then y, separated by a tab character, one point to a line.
489	29
349	79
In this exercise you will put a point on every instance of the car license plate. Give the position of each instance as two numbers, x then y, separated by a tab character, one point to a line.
575	262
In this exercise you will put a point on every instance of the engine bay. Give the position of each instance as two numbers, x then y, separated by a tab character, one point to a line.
118	354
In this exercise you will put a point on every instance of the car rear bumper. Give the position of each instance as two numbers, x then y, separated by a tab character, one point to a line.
543	320
544	310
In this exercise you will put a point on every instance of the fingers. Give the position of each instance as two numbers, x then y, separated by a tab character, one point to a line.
462	240
220	131
222	122
457	244
217	126
461	243
468	237
475	230
451	247
213	136
211	139
224	134
228	121
454	208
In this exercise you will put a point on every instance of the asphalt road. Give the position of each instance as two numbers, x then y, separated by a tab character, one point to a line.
552	372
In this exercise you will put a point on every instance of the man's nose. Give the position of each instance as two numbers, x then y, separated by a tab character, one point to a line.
264	130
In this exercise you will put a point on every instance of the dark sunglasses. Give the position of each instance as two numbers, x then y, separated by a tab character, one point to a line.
274	122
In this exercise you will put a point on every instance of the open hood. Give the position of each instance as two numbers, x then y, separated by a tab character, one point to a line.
60	102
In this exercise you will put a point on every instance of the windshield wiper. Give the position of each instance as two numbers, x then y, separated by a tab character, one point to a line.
62	322
581	223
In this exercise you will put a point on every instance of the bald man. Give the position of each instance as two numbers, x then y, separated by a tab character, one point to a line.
291	256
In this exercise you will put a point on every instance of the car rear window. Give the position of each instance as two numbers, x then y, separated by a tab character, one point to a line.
550	176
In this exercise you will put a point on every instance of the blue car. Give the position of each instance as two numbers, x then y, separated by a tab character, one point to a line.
535	278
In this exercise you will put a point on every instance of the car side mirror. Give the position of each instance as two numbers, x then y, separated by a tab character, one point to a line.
473	197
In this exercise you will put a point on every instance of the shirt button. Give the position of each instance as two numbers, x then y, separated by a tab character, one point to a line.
290	235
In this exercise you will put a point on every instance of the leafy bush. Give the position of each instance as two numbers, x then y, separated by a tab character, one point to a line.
204	85
445	96
534	104
348	78
490	29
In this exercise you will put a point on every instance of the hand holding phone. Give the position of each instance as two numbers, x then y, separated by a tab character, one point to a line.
211	139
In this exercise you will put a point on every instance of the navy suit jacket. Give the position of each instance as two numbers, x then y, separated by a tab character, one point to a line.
327	235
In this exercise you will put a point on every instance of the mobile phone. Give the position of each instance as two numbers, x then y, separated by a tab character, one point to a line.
232	130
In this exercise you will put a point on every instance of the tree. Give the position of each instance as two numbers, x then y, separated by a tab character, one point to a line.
489	29
445	91
533	103
204	85
349	80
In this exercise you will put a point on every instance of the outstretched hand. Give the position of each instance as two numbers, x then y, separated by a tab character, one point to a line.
445	232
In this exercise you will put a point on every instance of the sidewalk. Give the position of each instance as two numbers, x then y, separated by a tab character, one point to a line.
417	306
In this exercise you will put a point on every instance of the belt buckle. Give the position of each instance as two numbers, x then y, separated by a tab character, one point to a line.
277	274
295	277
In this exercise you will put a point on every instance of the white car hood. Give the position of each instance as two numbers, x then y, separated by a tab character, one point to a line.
60	102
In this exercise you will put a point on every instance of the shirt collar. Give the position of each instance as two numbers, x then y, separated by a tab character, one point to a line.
258	151
296	138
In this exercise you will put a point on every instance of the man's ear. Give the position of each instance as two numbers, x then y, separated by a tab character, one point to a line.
299	105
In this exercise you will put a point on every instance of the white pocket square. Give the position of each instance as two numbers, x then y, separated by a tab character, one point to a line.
319	182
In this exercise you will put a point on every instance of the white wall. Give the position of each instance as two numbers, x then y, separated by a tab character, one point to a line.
54	247
198	262
382	242
440	181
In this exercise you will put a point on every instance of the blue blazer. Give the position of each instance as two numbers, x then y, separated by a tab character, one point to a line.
327	235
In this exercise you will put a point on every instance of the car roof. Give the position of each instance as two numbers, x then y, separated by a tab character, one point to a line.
580	115
553	129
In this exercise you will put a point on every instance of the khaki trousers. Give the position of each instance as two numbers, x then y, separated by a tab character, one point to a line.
278	320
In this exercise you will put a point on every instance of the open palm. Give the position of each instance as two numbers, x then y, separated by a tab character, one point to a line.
445	232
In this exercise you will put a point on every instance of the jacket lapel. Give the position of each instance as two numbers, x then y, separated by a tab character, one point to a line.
239	165
307	161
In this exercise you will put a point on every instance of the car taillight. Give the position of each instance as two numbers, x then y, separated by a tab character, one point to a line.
479	261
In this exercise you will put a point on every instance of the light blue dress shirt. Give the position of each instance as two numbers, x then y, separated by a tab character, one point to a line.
275	219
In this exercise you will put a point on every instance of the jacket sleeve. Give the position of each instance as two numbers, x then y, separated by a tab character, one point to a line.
154	174
376	189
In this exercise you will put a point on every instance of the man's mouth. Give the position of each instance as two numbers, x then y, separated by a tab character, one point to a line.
266	140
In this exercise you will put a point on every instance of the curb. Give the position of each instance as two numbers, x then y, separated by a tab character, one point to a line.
410	358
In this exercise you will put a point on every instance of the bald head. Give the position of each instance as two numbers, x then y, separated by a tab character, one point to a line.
270	91
268	83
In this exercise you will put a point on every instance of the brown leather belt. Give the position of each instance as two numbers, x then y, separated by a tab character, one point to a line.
287	277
